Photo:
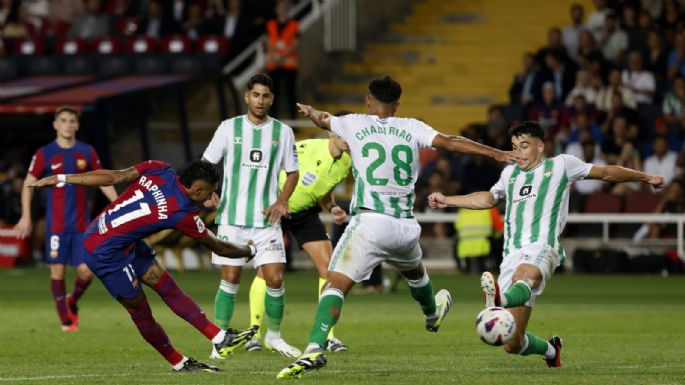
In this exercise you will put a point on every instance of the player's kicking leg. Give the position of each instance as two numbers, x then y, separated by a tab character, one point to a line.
434	307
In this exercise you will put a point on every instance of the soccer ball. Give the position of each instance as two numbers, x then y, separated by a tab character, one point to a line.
495	326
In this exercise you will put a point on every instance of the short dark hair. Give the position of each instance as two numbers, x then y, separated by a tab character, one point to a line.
385	89
199	170
67	109
260	78
529	127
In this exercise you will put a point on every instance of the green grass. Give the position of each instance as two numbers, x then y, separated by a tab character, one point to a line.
617	330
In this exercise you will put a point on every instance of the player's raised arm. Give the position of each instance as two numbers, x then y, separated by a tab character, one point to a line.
618	174
92	178
227	249
476	201
321	118
466	146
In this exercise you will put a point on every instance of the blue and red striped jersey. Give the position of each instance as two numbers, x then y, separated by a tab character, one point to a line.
67	208
155	201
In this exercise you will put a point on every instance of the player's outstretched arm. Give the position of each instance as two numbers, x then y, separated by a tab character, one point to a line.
227	249
476	201
321	118
24	226
92	178
618	174
466	146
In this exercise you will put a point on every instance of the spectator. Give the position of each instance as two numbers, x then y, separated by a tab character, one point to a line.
480	174
656	56
582	87
651	8
548	111
587	46
237	24
595	22
673	202
580	105
637	37
583	124
158	21
571	34
663	161
587	150
195	25
619	145
597	67
65	11
561	75
524	85
615	41
614	84
93	23
670	18
640	81
554	44
674	100
6	8
16	23
282	58
180	10
676	59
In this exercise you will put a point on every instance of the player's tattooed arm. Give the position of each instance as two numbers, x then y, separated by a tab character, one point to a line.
321	118
460	144
92	178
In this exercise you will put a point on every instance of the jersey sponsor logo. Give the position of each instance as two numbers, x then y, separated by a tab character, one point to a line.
273	246
81	164
102	225
55	166
255	157
308	178
525	190
525	193
199	223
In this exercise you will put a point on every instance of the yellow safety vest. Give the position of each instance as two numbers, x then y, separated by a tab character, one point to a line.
474	228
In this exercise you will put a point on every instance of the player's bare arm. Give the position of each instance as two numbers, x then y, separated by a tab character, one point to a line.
227	249
466	146
322	119
618	174
279	209
92	178
109	192
337	213
24	226
476	201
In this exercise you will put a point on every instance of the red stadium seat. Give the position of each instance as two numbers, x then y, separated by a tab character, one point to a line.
603	203
72	46
212	44
176	44
107	45
56	28
29	46
141	44
127	26
642	202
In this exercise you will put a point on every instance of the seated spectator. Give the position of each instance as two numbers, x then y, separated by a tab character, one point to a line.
614	84
562	76
663	161
93	23
571	33
595	21
614	41
582	87
548	111
6	8
676	58
589	151
580	105
673	101
597	67
656	56
669	20
524	85
196	25
673	202
159	21
637	79
637	37
554	44
619	147
16	24
65	11
582	124
587	46
237	24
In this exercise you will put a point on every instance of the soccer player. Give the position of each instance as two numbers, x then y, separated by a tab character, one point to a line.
67	211
385	163
536	191
254	147
323	163
115	251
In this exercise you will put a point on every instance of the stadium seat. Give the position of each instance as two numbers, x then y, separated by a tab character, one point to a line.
78	65
8	69
176	44
603	203
72	46
107	46
29	46
114	65
42	66
141	45
642	202
150	65
185	64
212	44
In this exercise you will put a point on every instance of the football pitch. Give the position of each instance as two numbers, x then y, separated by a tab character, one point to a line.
616	330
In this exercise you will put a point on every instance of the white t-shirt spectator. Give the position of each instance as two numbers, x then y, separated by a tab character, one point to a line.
640	82
665	167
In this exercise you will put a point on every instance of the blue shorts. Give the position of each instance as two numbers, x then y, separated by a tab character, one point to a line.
66	248
122	272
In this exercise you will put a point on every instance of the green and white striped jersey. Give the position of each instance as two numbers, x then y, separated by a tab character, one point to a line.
537	201
385	160
253	156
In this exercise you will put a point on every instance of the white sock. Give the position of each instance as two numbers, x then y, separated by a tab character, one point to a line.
551	352
219	337
503	300
271	335
524	345
312	347
179	366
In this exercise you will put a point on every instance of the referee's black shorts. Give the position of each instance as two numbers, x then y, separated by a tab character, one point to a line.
305	226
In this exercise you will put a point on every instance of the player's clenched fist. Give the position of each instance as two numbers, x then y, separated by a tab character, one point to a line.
436	201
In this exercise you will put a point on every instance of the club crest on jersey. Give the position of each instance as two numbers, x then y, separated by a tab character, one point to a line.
238	140
199	223
81	164
547	172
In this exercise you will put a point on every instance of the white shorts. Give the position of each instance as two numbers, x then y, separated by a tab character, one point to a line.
267	240
372	238
538	254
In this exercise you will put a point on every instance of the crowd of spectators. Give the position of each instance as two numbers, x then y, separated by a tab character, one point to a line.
240	21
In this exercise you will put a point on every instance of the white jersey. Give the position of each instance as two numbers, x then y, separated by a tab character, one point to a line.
537	201
385	160
253	157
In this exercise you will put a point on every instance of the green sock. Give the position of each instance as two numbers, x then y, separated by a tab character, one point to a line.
422	291
274	303
321	283
327	314
517	295
536	345
224	303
